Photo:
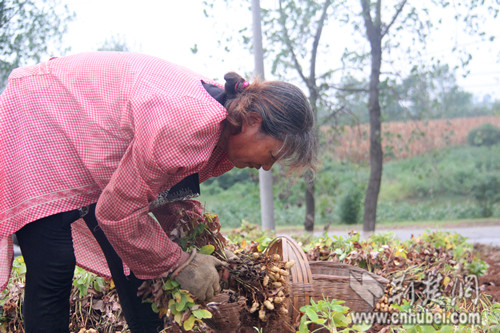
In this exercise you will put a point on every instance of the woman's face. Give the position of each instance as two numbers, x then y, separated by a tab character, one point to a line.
252	148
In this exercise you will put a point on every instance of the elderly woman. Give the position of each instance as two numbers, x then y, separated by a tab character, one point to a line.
90	144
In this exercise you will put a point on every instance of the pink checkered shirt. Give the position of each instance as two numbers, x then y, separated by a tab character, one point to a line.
107	127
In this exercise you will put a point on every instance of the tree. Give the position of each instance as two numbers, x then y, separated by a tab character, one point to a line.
294	30
374	34
297	26
27	28
429	94
265	177
300	24
402	17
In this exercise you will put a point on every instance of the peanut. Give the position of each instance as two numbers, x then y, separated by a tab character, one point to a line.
262	314
268	305
265	281
289	264
254	307
275	269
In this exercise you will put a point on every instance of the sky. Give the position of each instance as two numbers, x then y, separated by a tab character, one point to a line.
169	29
163	28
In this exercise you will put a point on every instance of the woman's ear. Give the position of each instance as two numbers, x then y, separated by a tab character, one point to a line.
253	119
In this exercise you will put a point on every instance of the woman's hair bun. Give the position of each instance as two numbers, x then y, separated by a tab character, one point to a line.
234	84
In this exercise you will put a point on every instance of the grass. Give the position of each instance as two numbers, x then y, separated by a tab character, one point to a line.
434	187
387	225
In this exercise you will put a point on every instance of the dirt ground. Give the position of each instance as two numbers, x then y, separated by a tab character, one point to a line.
490	283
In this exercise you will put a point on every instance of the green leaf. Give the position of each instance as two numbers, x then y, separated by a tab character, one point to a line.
303	325
181	305
339	308
410	328
98	284
177	296
178	317
312	314
361	327
207	249
171	306
446	329
428	329
83	290
202	314
189	323
170	285
304	308
341	320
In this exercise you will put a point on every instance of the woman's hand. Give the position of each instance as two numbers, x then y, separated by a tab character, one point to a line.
199	275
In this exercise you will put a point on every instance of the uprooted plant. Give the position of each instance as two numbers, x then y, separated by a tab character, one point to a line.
261	279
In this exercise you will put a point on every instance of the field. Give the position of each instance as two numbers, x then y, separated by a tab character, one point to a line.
404	139
429	174
438	272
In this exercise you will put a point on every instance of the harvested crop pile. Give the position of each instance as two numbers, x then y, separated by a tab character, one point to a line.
427	273
259	279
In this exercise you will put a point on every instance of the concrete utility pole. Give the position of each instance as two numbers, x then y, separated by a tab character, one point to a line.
265	177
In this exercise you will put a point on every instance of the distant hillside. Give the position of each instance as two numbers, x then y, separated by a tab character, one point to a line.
404	139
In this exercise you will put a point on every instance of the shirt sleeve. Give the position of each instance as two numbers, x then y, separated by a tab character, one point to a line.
173	137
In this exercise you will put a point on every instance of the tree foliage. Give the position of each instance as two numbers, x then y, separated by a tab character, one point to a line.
350	205
114	43
484	135
487	192
431	94
387	42
27	28
386	22
298	25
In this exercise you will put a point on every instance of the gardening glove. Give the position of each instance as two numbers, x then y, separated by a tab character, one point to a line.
199	275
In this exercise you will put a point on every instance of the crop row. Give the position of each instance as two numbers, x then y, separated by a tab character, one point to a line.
403	139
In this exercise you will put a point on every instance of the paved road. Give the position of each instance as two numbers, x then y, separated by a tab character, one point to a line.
485	234
489	234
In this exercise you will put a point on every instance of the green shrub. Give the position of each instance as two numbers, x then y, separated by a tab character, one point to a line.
487	192
350	206
484	135
434	209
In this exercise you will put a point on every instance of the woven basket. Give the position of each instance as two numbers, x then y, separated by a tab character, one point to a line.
308	279
323	279
339	281
225	315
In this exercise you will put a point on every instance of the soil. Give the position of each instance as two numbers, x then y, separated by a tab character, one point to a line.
490	282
